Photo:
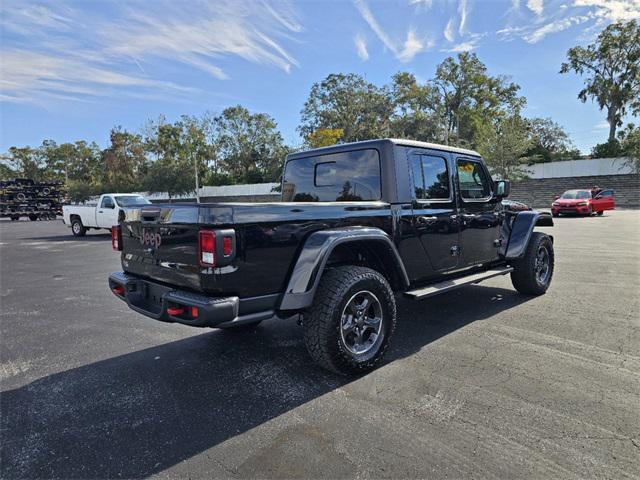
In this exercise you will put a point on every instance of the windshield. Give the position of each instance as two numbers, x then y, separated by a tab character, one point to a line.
576	194
131	201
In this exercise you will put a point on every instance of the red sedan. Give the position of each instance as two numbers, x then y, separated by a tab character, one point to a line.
583	202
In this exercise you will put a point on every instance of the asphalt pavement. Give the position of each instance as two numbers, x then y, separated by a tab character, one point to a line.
481	382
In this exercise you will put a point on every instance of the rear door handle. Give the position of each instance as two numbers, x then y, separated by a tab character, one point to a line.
427	220
100	211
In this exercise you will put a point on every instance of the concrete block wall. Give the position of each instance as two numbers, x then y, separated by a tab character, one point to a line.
539	192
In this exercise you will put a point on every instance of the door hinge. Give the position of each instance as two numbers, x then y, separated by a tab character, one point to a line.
497	242
455	250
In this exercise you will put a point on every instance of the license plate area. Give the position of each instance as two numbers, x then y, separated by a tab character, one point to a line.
153	293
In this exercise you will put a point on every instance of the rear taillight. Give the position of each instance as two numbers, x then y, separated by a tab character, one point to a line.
116	238
207	248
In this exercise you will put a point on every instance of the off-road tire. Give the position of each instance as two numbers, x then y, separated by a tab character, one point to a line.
600	213
33	218
15	218
77	228
524	278
323	320
243	328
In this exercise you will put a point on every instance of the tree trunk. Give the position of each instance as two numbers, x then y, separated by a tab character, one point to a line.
611	118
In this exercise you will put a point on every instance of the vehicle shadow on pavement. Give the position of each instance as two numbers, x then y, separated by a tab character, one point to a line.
89	237
137	414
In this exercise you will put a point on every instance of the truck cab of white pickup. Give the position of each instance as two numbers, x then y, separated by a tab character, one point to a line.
103	214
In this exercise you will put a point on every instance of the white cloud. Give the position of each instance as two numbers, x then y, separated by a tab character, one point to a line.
22	18
449	32
368	17
463	47
559	25
601	126
114	50
361	47
463	10
536	6
27	76
197	37
425	3
411	46
613	10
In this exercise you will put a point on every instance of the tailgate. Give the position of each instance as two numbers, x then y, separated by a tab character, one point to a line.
161	242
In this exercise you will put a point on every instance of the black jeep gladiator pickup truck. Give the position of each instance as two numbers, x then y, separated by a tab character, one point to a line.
357	224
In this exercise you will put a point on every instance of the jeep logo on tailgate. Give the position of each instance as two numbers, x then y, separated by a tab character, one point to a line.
150	239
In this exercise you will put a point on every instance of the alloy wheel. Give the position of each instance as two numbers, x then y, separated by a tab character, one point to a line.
361	322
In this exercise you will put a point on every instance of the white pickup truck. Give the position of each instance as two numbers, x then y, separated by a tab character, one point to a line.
103	214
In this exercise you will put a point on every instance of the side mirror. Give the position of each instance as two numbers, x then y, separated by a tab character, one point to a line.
502	188
556	197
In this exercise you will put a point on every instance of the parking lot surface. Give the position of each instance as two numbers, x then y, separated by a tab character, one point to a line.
481	382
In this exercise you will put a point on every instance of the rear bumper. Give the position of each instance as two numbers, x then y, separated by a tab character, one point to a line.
164	303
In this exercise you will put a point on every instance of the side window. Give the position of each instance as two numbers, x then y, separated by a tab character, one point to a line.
430	177
333	177
107	202
473	181
606	193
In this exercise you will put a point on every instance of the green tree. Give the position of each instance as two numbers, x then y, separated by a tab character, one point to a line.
469	97
79	161
79	191
503	146
607	149
172	171
416	109
125	161
347	102
630	144
550	142
25	162
324	137
248	145
611	67
6	172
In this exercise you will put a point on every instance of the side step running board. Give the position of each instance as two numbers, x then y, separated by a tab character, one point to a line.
448	285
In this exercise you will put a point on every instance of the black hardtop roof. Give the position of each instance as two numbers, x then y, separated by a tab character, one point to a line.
342	147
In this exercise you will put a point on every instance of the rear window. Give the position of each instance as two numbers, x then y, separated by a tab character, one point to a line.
336	177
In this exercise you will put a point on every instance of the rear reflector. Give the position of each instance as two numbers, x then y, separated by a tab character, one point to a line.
207	248
194	312
116	238
227	246
175	310
118	290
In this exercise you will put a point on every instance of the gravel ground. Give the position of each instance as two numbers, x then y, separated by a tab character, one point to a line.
481	382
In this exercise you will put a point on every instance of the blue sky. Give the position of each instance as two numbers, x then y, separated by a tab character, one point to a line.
72	70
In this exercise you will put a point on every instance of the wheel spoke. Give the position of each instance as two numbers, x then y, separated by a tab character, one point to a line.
362	306
361	322
347	323
372	322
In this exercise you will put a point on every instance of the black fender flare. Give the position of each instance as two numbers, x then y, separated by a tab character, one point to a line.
311	261
521	230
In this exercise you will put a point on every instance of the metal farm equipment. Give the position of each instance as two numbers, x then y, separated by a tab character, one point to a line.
22	197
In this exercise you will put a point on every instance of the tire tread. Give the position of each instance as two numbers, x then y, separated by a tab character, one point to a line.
319	320
523	276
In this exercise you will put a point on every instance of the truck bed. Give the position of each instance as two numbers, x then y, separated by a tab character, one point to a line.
268	236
